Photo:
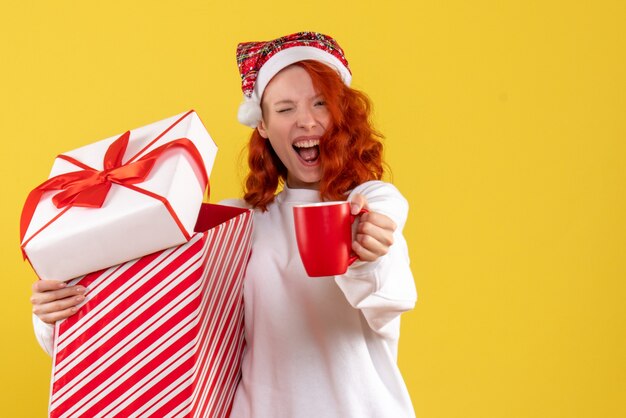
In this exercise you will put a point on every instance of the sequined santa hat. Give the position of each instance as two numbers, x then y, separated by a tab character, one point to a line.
259	62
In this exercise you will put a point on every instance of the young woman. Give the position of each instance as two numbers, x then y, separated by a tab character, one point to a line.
318	347
315	347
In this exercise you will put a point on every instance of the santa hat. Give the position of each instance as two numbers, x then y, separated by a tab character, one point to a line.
259	62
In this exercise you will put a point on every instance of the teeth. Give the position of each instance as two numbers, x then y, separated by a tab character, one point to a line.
307	143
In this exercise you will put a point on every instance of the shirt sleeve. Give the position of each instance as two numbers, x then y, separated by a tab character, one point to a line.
384	288
45	334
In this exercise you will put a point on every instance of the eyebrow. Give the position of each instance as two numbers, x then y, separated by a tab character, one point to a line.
291	102
283	102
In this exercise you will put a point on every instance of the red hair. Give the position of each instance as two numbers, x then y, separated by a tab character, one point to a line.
350	149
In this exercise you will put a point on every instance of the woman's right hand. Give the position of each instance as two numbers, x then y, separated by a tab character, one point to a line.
53	300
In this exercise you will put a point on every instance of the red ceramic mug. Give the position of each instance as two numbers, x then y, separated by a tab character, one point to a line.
324	237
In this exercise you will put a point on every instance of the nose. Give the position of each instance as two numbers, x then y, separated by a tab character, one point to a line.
306	118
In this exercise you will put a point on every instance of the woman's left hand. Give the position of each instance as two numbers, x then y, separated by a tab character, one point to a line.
374	234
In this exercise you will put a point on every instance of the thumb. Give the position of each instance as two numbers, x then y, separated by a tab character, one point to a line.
357	202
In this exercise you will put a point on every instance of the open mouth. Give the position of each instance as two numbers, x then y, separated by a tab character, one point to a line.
308	150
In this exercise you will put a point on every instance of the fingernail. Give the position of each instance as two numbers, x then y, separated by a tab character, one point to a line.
80	289
354	208
80	298
62	284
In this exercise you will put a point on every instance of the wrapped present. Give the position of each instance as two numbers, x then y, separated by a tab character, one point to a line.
161	335
102	201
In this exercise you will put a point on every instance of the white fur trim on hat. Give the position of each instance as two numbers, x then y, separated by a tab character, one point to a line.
289	56
249	112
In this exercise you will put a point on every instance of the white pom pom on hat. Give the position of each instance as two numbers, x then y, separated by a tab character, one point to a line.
259	62
249	112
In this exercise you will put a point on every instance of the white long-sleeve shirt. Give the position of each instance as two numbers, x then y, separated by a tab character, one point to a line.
323	347
319	347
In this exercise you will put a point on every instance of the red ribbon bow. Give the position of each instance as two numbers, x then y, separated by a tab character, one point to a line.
89	187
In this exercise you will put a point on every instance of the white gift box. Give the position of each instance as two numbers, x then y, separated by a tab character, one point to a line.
64	243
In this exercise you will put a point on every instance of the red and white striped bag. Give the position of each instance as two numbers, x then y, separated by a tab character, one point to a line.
161	335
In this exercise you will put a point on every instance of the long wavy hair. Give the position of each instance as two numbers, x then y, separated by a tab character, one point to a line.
350	149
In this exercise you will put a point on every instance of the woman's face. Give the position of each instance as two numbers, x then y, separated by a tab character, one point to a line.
294	119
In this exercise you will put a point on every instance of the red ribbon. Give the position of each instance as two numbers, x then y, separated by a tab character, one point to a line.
89	187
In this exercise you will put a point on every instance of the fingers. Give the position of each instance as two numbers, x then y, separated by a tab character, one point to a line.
372	221
53	301
47	296
374	236
46	285
58	310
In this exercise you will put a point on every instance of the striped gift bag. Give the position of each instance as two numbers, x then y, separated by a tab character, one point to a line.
162	335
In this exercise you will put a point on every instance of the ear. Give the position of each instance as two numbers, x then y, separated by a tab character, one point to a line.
262	129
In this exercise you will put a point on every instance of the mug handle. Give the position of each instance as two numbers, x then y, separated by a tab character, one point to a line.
353	257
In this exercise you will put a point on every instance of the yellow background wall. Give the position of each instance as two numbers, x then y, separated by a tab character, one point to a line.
505	126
